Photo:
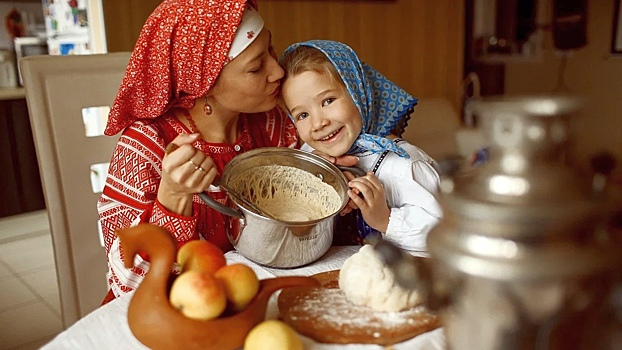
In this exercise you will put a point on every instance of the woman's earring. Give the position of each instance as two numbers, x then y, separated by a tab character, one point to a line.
206	107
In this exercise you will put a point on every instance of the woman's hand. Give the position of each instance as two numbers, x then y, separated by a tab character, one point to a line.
373	205
185	171
345	160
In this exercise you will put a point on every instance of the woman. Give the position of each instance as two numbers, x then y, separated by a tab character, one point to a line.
201	87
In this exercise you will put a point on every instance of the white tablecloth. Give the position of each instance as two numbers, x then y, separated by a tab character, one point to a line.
107	327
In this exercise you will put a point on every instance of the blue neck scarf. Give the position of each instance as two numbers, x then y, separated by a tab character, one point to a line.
380	102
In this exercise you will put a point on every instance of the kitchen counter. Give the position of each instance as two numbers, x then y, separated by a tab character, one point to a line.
15	93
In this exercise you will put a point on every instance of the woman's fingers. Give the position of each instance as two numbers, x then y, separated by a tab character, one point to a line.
180	164
180	149
345	160
180	140
204	174
200	173
199	161
170	148
186	168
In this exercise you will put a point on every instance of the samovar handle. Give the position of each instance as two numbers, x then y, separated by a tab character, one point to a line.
603	164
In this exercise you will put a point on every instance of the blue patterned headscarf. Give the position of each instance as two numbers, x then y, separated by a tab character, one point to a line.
380	102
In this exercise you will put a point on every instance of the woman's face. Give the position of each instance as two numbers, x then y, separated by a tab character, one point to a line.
250	82
324	113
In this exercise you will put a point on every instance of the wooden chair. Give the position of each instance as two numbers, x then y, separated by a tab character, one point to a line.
58	88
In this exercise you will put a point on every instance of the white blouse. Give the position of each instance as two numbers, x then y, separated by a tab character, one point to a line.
410	186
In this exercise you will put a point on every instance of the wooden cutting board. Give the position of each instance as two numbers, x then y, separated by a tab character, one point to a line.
324	314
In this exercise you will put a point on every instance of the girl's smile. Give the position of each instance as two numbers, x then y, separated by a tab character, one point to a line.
330	136
324	113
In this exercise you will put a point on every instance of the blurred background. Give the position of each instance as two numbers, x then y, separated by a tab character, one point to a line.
439	50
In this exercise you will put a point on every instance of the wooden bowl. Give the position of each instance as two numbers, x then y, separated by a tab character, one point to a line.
156	324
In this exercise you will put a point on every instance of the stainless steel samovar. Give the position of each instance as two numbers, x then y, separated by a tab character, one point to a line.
522	258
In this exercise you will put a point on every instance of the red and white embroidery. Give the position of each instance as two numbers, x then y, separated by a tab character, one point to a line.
129	196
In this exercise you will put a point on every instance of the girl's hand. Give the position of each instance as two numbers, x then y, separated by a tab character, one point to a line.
373	205
351	205
185	171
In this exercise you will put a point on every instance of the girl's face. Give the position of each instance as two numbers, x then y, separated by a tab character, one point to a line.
324	113
250	82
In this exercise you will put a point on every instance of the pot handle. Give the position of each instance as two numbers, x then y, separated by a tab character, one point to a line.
223	209
354	170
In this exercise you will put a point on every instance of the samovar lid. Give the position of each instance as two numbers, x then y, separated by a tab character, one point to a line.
520	106
525	184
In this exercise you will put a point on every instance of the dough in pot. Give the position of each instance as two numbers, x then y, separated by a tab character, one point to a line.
366	280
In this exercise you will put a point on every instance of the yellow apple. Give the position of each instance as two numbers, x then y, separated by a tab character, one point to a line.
198	295
273	335
240	282
200	255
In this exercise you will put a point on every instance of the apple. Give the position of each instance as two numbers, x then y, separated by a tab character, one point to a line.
198	295
273	335
200	255
240	282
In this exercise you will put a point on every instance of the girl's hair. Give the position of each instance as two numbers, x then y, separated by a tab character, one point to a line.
305	59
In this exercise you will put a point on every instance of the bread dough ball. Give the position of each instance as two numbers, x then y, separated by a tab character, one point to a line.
366	280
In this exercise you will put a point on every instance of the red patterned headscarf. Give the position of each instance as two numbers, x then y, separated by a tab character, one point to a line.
179	54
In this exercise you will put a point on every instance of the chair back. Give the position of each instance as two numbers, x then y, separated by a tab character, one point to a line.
61	92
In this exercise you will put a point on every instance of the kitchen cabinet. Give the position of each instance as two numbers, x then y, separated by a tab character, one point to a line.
20	183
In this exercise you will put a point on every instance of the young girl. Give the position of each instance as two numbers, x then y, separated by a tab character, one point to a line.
341	105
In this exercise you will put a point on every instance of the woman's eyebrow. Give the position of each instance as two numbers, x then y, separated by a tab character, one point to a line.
258	56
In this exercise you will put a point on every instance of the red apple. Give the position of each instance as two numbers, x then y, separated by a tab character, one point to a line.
200	255
198	295
240	282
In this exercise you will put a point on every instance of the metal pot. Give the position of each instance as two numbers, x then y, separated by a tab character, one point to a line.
272	242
